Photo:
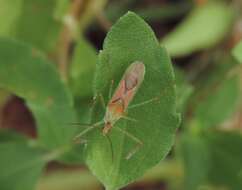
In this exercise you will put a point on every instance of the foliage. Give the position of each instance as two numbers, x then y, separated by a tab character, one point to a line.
197	31
82	69
49	101
217	156
120	50
21	161
21	26
50	59
218	92
237	52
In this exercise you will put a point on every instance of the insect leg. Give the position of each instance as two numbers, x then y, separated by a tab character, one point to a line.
102	101
129	118
139	143
84	132
143	103
80	141
90	128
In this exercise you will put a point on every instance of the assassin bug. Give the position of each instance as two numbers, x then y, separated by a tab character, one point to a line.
119	102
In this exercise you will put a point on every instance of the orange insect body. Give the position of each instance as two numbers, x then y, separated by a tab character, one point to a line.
123	95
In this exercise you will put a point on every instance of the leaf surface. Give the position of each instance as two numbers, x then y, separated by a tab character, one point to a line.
21	163
30	21
26	73
129	40
197	31
237	52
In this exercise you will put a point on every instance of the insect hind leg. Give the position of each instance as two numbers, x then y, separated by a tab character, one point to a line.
129	118
138	142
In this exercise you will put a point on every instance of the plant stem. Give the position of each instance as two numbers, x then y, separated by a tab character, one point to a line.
67	36
103	21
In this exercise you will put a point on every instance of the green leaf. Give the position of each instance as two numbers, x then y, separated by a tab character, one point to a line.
26	73
81	77
198	31
82	69
9	14
218	95
237	52
226	166
61	9
4	96
30	21
20	166
213	159
7	135
36	24
196	158
129	40
184	90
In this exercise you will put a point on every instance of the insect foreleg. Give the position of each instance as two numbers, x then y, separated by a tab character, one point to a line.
90	128
139	143
102	101
84	132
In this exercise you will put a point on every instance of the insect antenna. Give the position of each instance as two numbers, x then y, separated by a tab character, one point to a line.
80	124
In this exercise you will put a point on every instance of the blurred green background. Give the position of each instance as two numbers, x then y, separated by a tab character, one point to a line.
203	39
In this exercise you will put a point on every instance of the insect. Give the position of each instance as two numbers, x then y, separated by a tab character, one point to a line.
123	95
119	102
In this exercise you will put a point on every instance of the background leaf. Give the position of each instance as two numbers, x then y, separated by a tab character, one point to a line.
129	40
237	52
61	9
196	157
217	156
184	90
82	69
9	14
219	91
25	72
226	156
198	31
42	31
20	162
